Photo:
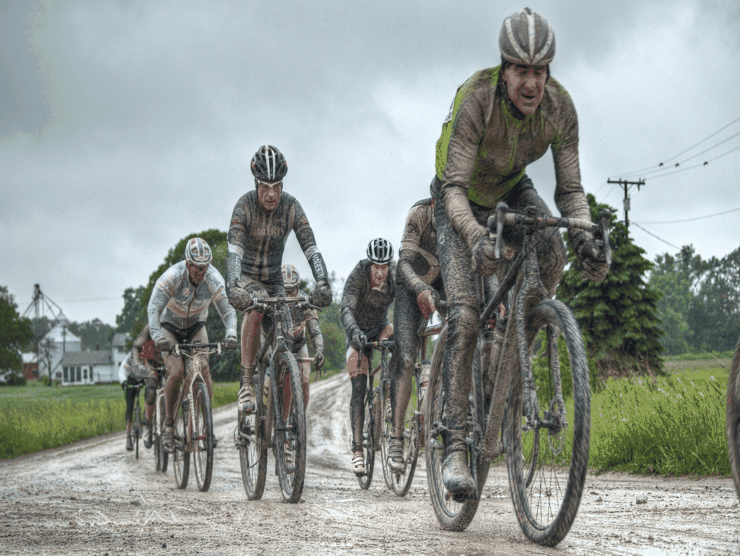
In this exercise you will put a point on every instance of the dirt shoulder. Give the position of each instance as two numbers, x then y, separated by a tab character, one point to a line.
93	497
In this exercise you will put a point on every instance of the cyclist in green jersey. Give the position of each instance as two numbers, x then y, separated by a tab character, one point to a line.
501	120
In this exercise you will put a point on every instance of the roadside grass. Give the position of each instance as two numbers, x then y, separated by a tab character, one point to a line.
36	418
670	426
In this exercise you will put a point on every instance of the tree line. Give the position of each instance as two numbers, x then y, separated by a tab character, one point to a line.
641	312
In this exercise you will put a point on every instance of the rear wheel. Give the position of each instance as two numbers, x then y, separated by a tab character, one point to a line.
202	440
546	476
252	448
368	439
181	457
160	454
411	441
733	418
454	512
290	427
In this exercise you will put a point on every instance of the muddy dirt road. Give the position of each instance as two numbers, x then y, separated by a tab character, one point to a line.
95	498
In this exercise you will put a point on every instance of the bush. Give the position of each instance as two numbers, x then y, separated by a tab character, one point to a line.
14	378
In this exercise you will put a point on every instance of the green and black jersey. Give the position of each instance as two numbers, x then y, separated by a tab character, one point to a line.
486	143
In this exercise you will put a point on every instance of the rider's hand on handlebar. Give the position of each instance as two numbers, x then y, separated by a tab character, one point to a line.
164	345
239	298
426	302
231	342
358	340
484	260
591	254
319	359
322	294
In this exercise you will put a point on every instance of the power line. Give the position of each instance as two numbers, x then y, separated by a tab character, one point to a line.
652	166
696	218
656	237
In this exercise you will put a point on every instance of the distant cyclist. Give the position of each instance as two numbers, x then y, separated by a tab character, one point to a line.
260	225
135	370
501	120
368	294
177	311
418	291
304	320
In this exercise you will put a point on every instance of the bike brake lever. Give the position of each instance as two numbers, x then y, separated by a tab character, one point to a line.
176	351
499	219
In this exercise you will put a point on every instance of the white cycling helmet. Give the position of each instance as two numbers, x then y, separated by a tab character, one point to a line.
291	278
527	39
380	251
198	252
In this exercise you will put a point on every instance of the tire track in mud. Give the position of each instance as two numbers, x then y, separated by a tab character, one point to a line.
93	497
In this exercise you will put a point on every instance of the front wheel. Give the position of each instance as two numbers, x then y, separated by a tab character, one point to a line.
454	513
546	475
290	427
369	439
181	455
202	439
252	447
386	425
160	453
733	418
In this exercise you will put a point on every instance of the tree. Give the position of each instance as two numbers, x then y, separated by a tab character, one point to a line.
127	320
15	332
714	315
618	317
94	334
674	278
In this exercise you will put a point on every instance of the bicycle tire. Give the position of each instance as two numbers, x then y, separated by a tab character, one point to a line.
543	520
202	438
386	425
161	455
412	442
137	426
733	418
453	513
253	449
181	455
290	426
368	440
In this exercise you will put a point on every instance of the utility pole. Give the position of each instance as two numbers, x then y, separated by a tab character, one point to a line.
625	184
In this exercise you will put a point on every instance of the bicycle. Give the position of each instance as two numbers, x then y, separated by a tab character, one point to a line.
513	420
279	421
413	421
194	428
732	417
376	430
135	432
160	453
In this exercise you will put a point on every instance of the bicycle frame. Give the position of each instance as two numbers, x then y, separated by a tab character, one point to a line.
530	292
275	340
190	379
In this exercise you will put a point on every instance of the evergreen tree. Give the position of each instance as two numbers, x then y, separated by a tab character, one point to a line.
617	317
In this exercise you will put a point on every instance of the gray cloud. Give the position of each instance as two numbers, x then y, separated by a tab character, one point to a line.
127	126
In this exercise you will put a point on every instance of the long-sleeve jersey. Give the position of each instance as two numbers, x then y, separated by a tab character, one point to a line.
176	300
486	144
130	368
257	238
305	320
418	262
363	305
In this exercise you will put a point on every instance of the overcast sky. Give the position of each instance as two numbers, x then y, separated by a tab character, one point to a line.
125	126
